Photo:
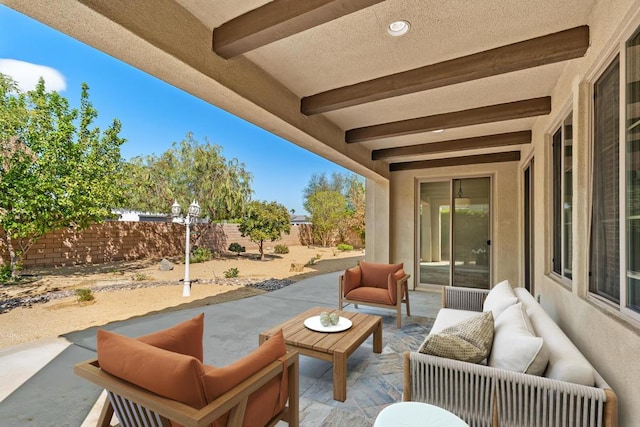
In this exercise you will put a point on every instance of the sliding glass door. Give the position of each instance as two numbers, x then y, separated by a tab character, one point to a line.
454	238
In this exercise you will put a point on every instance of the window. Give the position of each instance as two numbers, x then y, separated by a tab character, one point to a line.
632	173
615	223
604	271
562	151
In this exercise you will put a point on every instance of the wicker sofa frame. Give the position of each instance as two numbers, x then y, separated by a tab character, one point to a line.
487	396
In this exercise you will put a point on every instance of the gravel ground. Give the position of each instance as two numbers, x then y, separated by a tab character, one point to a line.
265	285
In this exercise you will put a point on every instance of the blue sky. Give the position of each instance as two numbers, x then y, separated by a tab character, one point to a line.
153	113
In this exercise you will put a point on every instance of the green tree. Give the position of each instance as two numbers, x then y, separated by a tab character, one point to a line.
264	221
319	182
190	171
328	210
57	169
351	187
356	208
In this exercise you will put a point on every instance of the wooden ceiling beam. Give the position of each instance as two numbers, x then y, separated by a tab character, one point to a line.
487	141
551	48
277	20
509	156
491	113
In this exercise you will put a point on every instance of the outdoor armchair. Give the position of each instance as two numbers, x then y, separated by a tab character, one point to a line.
159	380
378	285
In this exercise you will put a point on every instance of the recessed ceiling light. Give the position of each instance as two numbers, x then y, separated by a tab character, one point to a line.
398	28
438	131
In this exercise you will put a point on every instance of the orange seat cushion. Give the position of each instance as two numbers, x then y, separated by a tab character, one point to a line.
184	338
369	294
264	403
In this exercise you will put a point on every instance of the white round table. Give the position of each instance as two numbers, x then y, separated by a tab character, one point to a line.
416	414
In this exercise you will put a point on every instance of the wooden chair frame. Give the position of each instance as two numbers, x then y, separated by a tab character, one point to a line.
136	406
402	296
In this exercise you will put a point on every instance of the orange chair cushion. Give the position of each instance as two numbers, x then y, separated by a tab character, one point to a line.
351	279
264	403
377	275
168	374
392	285
370	294
184	338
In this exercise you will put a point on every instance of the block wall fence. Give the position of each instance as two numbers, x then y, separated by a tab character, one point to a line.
119	240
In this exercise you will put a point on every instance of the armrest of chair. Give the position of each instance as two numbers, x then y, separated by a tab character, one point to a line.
234	401
462	298
400	287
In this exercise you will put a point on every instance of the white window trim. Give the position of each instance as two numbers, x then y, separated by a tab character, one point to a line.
556	125
616	48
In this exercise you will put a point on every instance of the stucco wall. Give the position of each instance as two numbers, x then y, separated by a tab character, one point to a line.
505	216
610	341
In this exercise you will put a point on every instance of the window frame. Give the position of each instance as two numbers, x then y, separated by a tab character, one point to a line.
619	53
555	235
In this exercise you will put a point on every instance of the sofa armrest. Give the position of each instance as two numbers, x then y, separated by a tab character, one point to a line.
463	298
482	395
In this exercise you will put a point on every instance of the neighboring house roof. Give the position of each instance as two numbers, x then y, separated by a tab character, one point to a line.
139	216
300	219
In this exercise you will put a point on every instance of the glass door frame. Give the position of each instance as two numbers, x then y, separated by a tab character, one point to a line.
417	244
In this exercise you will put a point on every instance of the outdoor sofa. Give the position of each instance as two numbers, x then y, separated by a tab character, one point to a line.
567	391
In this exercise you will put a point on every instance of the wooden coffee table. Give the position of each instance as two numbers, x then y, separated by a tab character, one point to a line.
333	347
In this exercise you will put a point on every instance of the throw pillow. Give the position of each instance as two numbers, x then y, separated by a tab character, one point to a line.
144	365
468	341
515	347
265	402
184	338
499	298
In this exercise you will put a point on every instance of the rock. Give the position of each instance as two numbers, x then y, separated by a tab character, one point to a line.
297	267
166	265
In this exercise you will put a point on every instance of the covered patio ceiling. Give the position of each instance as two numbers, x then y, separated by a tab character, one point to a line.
464	85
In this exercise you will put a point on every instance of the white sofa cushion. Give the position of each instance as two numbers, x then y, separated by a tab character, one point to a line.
515	347
468	341
499	298
566	362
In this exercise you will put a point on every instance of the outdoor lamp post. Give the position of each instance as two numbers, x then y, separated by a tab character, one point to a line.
192	214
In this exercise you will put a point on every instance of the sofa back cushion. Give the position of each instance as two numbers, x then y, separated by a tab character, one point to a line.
168	374
377	275
566	362
184	338
264	403
499	298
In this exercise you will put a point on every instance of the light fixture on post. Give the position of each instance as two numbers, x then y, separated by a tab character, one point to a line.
461	201
192	214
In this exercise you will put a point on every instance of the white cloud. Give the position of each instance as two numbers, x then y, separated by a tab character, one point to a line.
26	75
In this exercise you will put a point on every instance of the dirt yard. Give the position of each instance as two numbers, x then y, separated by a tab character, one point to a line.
163	289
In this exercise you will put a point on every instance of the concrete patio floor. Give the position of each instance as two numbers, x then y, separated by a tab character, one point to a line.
41	390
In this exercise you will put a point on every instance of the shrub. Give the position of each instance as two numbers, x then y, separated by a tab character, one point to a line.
5	272
84	295
344	247
200	255
232	272
237	248
138	277
281	249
